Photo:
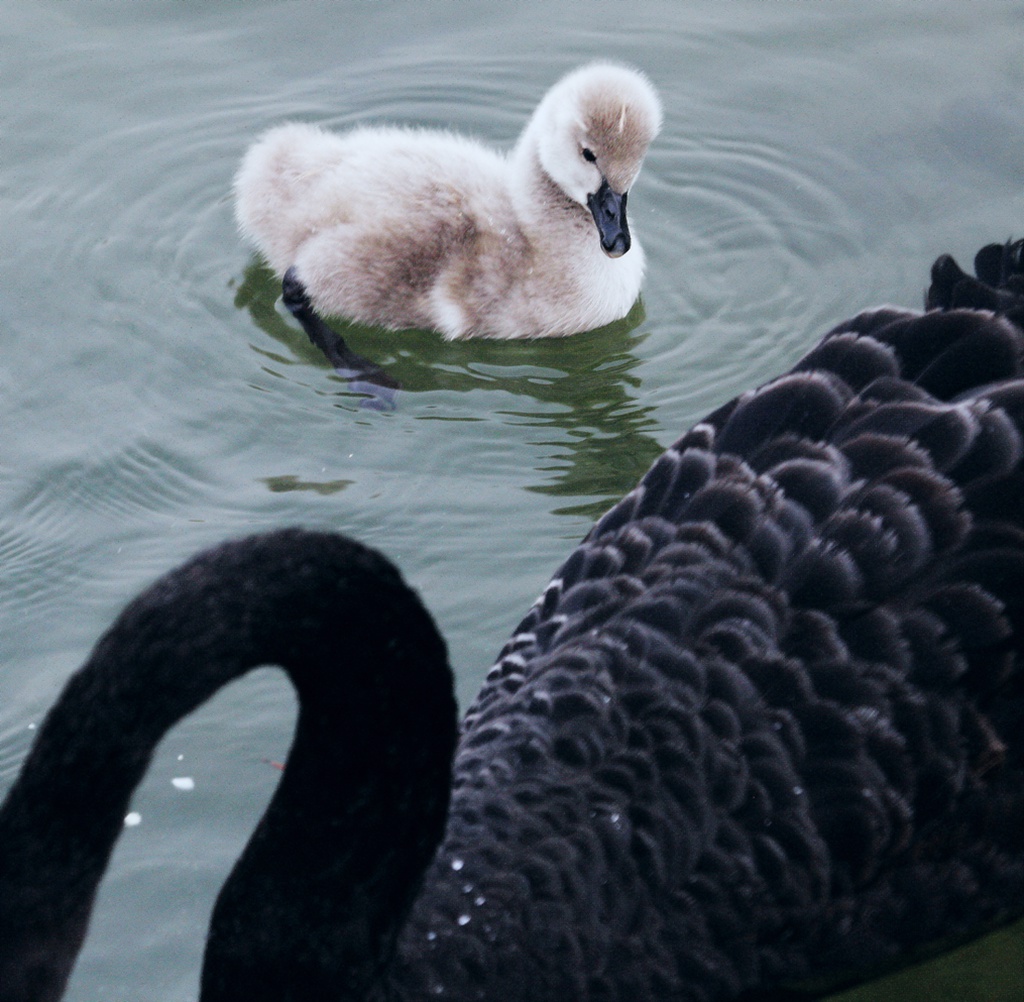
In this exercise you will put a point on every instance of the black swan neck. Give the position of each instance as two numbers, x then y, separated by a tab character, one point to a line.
327	877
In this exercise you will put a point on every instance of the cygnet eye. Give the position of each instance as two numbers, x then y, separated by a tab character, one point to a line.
588	155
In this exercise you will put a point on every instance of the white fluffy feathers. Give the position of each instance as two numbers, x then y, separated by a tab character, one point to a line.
412	228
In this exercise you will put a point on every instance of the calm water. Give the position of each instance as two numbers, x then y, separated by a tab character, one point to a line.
154	399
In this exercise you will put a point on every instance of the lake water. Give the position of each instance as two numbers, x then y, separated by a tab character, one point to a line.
154	398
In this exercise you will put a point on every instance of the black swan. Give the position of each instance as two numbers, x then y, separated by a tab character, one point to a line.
762	731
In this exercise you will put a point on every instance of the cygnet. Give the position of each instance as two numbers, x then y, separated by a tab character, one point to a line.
411	228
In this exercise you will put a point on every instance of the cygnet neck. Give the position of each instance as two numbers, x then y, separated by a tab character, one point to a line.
541	204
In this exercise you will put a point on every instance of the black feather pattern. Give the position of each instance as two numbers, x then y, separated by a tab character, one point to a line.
800	754
763	730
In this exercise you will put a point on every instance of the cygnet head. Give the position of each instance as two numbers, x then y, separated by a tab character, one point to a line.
591	132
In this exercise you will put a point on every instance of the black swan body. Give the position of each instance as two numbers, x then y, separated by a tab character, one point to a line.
764	729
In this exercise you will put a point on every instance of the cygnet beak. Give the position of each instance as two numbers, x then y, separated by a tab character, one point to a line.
609	211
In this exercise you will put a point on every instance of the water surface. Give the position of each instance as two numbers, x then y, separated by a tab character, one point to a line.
155	399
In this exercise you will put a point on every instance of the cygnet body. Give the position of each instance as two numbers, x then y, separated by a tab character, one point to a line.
412	228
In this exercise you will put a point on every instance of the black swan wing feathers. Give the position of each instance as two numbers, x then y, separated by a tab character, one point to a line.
765	723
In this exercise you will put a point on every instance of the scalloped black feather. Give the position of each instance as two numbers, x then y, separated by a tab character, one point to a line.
801	757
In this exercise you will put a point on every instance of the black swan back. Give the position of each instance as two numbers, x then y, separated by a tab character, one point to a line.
762	730
765	725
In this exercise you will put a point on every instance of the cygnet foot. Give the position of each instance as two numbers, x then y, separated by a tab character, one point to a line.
294	295
363	375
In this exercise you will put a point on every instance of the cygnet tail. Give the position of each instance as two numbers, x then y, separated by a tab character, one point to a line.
273	189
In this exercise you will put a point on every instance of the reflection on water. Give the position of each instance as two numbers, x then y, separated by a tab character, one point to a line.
292	483
599	439
990	969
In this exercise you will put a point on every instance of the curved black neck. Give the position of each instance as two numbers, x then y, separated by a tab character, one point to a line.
313	906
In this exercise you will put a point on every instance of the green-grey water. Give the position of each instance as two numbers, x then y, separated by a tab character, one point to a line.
155	399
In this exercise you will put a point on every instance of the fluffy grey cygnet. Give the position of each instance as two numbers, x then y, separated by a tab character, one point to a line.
414	228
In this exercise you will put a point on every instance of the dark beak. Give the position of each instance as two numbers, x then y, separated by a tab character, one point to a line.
609	211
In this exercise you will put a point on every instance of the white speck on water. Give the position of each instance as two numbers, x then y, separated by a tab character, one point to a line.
798	790
183	783
479	900
467	888
31	727
457	864
181	758
431	935
463	920
132	818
